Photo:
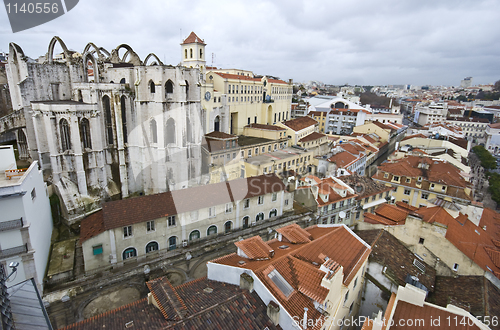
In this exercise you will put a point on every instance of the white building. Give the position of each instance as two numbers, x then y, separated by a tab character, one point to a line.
25	219
493	138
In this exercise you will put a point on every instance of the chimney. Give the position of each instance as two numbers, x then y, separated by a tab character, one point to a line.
246	282
304	321
273	311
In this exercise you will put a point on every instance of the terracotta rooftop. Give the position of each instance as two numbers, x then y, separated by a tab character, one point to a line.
343	159
255	248
220	135
294	234
266	127
311	137
208	305
140	209
389	252
300	123
364	186
193	38
299	265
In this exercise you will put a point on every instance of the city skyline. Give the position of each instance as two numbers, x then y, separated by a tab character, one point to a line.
359	43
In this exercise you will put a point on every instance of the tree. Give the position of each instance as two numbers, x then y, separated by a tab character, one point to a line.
497	86
487	160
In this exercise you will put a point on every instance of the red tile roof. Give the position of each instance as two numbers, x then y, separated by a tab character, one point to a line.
300	123
220	135
255	248
311	137
140	209
193	38
266	127
295	234
299	265
343	159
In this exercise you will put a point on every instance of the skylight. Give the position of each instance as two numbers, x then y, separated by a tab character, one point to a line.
280	282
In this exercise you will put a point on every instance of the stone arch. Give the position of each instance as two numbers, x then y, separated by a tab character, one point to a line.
152	87
86	57
65	134
104	51
169	87
52	44
85	134
134	58
16	54
123	106
152	246
96	49
217	124
108	118
158	62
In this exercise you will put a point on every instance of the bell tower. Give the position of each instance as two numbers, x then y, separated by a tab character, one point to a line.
193	53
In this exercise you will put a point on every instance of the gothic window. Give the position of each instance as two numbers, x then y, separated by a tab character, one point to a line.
154	135
123	102
152	87
122	81
170	131
109	121
187	90
217	124
65	137
85	133
169	87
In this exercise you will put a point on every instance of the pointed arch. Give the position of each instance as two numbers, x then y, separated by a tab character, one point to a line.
134	58
52	44
104	51
85	134
169	87
158	62
108	118
154	131
152	87
96	49
170	134
217	124
123	106
65	135
95	68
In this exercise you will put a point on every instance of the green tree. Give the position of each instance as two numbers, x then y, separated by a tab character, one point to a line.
487	160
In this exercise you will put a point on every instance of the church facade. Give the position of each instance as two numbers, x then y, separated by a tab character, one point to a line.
108	125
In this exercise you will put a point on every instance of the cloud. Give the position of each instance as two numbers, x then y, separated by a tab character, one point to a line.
357	41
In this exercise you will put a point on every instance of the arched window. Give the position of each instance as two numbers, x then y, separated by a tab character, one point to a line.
195	234
201	53
129	253
22	144
273	213
185	53
259	216
189	131
85	133
65	137
170	131
191	52
154	135
246	222
212	230
109	120
172	243
228	226
152	246
169	87
217	124
339	105
122	81
123	102
152	87
187	90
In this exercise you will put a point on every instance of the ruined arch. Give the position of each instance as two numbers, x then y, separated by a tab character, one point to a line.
158	62
96	50
22	144
16	54
52	44
134	58
86	57
104	51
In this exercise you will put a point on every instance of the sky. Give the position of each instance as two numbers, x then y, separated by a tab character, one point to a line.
356	42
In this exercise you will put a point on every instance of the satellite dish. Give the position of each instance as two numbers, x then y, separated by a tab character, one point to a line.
342	214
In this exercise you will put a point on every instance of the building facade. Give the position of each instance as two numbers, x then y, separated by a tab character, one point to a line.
129	230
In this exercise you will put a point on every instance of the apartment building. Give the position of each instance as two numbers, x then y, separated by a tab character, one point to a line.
131	229
312	276
222	157
474	128
417	180
25	220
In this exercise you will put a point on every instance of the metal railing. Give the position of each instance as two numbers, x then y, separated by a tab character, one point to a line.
14	251
12	224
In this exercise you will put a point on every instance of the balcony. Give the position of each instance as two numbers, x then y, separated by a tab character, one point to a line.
11	225
14	251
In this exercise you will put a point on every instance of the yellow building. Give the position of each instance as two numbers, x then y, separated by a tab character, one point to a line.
321	117
279	161
417	180
222	157
234	98
378	128
298	128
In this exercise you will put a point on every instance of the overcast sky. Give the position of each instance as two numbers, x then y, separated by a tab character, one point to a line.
363	42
